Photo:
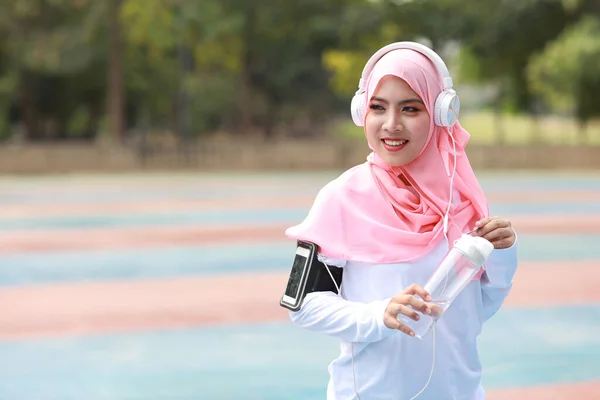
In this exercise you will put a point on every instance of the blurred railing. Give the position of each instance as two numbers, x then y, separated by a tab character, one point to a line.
224	153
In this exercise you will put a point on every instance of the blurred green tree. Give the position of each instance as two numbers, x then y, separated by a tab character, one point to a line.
501	36
567	72
51	56
244	66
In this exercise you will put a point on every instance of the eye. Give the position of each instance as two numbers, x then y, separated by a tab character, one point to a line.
410	109
377	107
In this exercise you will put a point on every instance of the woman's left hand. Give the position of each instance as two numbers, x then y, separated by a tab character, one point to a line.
496	230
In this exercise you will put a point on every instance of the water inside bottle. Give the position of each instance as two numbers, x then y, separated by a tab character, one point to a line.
453	274
424	324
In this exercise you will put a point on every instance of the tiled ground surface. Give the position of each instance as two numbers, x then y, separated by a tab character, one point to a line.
145	287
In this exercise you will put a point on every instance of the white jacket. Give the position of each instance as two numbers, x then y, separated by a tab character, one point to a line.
388	364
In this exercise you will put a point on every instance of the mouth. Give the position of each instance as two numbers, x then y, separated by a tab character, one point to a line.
394	144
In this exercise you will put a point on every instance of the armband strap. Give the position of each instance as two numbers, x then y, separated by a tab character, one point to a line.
309	275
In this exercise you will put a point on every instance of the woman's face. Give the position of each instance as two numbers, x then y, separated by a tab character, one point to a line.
397	122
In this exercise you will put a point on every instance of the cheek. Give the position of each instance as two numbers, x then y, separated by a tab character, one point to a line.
372	127
421	129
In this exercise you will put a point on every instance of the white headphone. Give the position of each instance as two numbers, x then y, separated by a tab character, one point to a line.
447	104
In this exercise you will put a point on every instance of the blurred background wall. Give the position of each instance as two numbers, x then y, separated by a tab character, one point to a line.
256	84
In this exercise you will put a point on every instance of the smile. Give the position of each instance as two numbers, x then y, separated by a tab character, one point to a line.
390	142
394	144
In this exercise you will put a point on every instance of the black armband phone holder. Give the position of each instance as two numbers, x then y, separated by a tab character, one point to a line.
309	275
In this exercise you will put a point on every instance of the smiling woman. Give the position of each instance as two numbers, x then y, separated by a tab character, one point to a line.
396	120
387	223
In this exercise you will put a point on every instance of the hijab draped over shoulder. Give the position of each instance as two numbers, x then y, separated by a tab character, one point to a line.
369	214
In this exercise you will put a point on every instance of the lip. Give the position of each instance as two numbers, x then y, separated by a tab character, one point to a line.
393	148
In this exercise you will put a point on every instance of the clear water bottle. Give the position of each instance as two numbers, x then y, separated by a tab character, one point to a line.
455	272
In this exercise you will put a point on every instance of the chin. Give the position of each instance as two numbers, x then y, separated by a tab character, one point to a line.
397	164
397	161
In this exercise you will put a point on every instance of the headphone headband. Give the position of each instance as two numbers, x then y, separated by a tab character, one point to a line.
446	106
426	51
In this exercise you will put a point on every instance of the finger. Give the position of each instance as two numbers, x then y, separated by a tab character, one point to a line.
405	329
418	305
493	225
496	234
397	309
409	312
436	310
483	222
489	226
394	323
391	322
417	289
505	243
393	309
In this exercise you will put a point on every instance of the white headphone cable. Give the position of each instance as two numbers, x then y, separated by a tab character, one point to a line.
446	216
433	347
352	346
339	292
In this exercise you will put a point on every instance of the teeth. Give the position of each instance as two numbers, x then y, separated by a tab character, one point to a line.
395	142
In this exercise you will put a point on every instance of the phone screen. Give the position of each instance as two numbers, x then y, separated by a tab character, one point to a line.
296	274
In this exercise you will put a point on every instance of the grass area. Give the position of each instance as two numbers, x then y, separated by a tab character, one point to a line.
485	127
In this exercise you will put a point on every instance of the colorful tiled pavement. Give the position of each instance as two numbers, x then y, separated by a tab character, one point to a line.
166	287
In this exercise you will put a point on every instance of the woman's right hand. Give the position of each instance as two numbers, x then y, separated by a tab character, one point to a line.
400	303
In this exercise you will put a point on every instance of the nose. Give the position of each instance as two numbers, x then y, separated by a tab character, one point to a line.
393	123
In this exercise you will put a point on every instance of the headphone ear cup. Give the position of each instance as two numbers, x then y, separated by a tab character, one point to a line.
447	108
358	108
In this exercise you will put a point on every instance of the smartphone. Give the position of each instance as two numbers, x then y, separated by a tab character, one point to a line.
294	290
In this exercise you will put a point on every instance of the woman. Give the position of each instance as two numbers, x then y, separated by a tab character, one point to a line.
388	223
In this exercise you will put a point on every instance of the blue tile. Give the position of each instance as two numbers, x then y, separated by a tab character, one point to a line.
523	347
147	263
213	217
47	267
277	361
276	215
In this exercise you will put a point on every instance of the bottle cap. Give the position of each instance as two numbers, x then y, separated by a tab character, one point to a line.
475	248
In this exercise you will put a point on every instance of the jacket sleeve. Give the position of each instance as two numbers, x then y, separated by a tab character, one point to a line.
331	314
497	280
328	313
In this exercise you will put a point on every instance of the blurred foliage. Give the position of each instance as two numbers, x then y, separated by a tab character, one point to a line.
267	66
566	72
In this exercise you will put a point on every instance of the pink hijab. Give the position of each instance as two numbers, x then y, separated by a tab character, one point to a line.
368	214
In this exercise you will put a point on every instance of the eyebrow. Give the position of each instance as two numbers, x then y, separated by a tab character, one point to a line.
400	102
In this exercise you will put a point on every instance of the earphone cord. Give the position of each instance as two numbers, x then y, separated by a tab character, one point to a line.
446	216
352	347
352	343
432	364
433	347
